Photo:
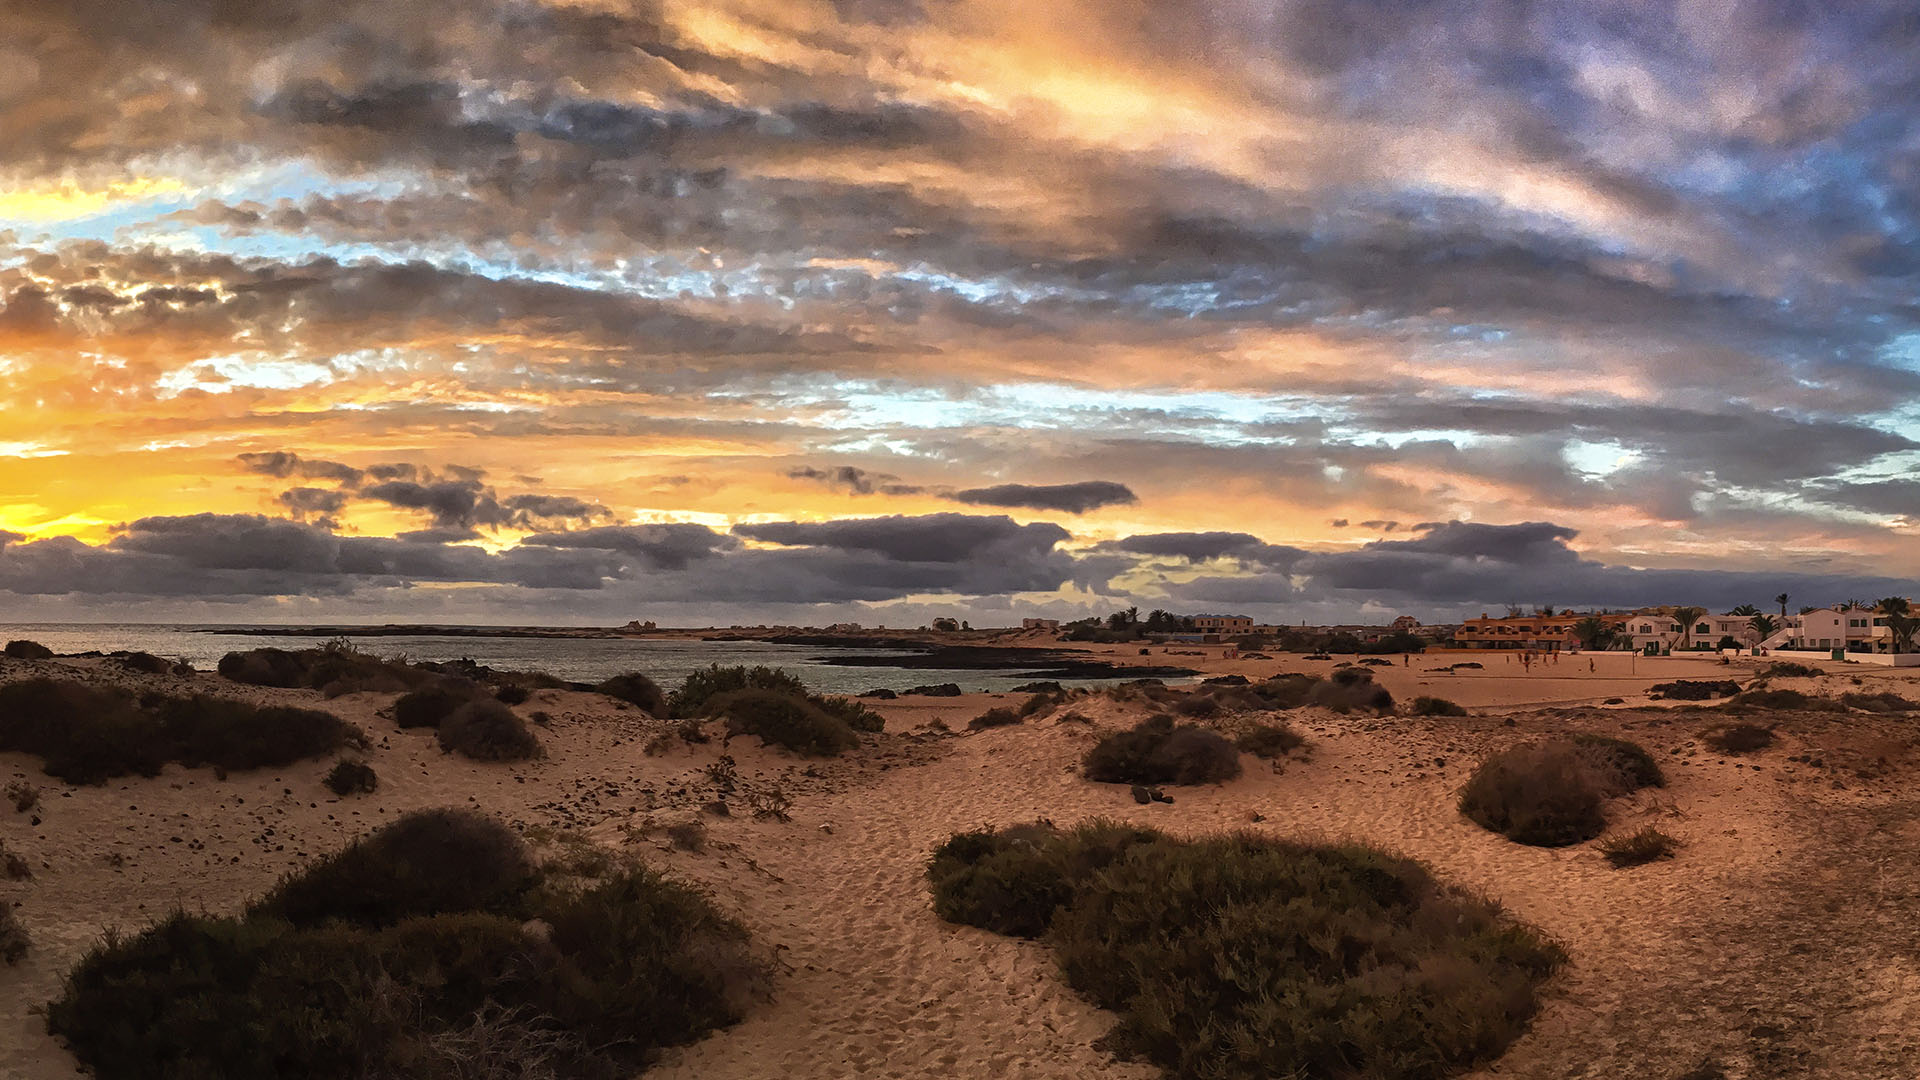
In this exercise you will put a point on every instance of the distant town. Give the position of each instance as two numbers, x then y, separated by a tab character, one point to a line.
1880	631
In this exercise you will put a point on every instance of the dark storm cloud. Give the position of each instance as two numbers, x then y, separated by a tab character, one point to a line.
1204	546
666	546
1456	566
283	465
239	556
928	538
306	501
1075	498
855	481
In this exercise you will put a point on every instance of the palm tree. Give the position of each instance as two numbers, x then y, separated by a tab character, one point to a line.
1901	625
1594	633
1686	616
1745	609
1782	601
1764	625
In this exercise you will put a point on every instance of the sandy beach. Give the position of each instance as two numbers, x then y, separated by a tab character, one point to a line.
1780	942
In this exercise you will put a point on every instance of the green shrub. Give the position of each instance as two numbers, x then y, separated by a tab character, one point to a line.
85	735
428	862
485	730
429	705
144	662
1435	706
696	695
624	968
1269	740
1740	738
1782	701
1625	766
28	650
1639	848
334	669
1241	956
1350	689
783	719
850	712
512	694
1012	880
1695	689
235	735
1286	691
992	718
652	963
637	690
1554	793
1157	752
352	778
81	734
1883	702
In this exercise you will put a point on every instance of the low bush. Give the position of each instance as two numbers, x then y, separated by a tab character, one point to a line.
992	718
85	735
338	987
787	720
235	735
82	734
334	669
1786	669
485	730
1638	848
696	695
1157	752
352	778
1695	689
1740	738
1196	705
28	650
1781	701
427	863
1340	960
945	689
1351	689
1042	702
1435	706
144	662
1286	691
1624	766
849	712
1554	793
512	694
1269	740
637	690
429	705
1885	701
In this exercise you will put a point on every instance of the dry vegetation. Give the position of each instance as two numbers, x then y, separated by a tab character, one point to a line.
1345	961
1554	793
405	955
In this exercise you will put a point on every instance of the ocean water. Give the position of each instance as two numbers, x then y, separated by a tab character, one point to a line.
667	662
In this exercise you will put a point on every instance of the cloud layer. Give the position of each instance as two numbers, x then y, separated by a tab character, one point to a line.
1244	291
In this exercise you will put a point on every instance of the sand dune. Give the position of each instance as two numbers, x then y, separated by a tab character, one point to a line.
1781	942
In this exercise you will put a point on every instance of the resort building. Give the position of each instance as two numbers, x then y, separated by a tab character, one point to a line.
1223	624
1547	632
1039	624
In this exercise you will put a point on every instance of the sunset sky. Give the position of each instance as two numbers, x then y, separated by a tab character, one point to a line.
875	310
